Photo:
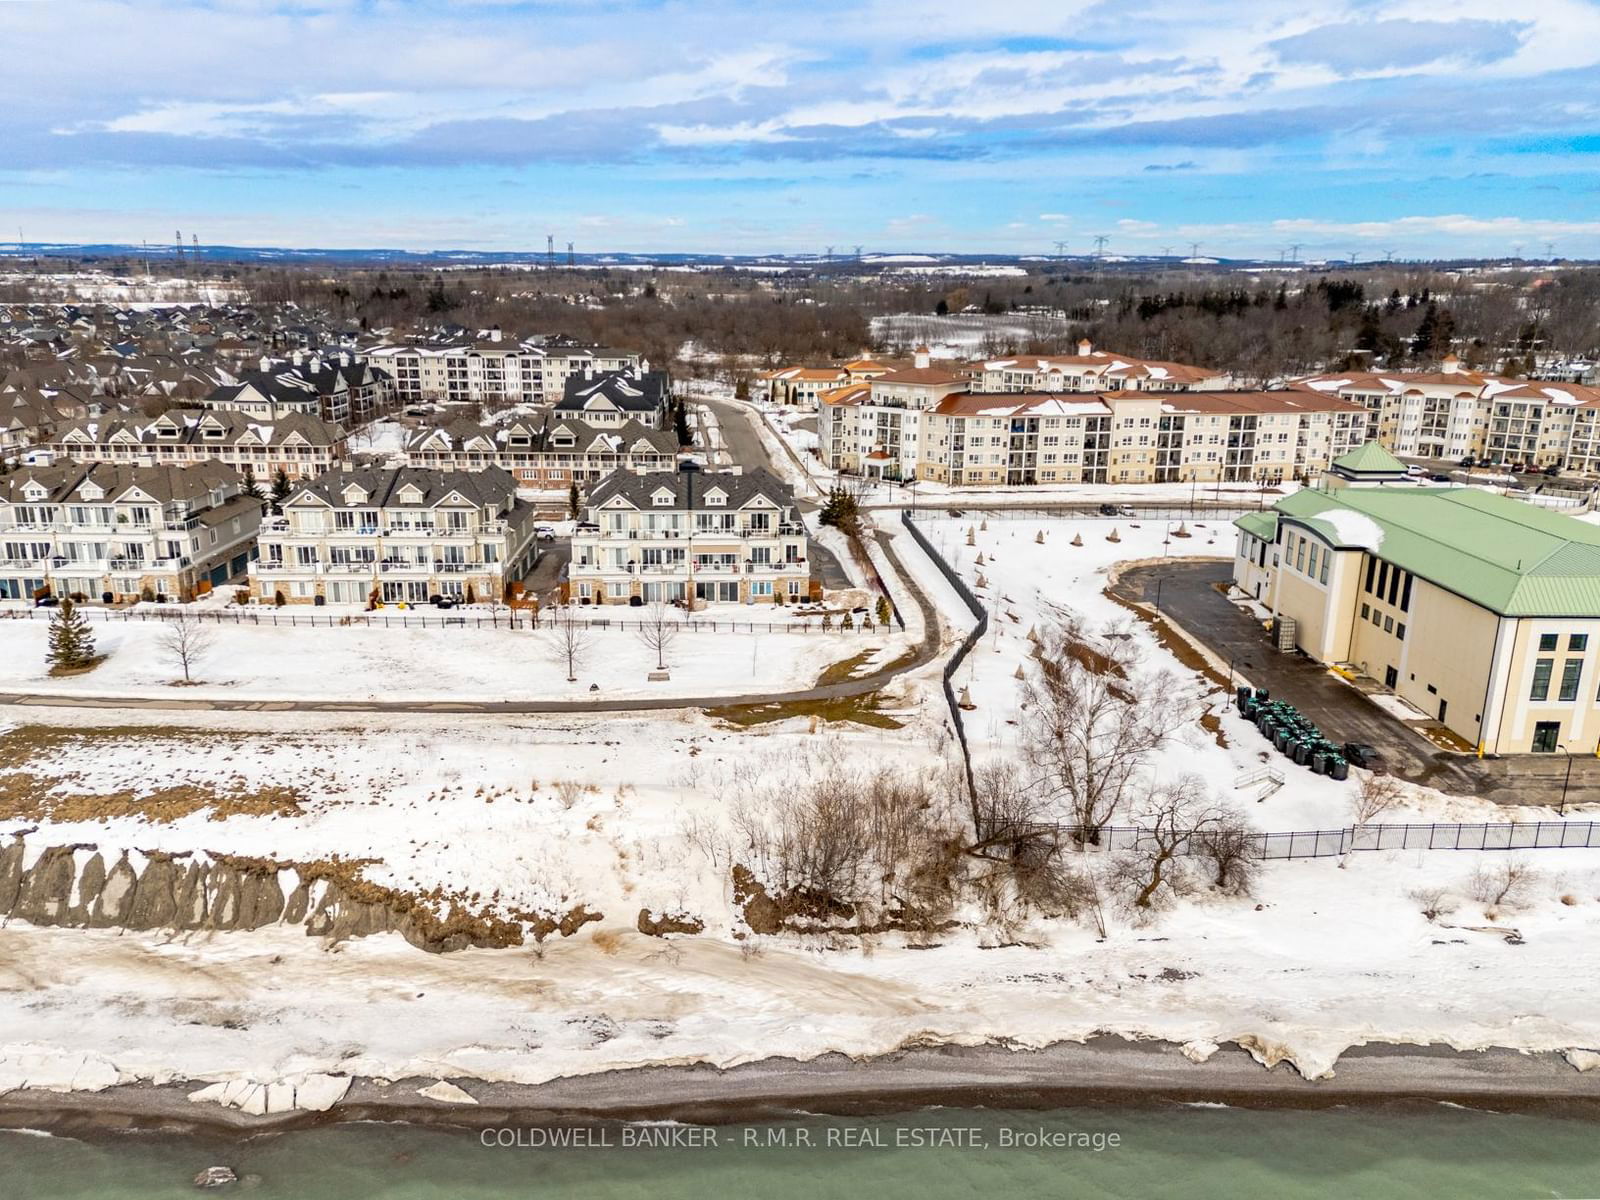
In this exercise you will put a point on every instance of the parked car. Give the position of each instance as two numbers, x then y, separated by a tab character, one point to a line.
1469	462
1436	477
1108	510
1360	754
1552	470
545	533
1416	470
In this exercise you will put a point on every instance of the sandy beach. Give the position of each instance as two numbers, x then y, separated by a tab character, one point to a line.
1107	1071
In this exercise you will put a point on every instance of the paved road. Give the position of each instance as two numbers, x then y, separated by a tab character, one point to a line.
1189	597
925	651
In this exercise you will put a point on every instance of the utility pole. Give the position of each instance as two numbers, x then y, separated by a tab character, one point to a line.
550	252
177	237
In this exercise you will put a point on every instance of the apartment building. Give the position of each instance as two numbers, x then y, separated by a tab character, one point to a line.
301	446
690	538
544	452
1013	439
119	533
1091	370
1481	611
403	535
493	371
1455	413
615	398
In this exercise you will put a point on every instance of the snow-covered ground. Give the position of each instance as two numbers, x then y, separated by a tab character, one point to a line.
429	664
623	813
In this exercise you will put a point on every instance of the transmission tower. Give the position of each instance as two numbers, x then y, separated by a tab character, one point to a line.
828	257
1100	241
177	238
571	262
1294	252
1061	249
1194	250
858	253
549	252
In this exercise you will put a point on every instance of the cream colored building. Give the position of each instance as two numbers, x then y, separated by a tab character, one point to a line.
1480	611
493	371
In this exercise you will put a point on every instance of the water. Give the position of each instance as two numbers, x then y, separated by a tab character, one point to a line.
1196	1152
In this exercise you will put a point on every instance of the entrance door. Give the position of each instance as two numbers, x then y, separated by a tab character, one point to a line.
1545	736
1390	677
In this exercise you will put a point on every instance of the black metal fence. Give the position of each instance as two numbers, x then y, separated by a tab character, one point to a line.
504	618
1335	843
1200	512
975	606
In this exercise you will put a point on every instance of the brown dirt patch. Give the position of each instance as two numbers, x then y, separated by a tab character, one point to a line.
1212	724
862	710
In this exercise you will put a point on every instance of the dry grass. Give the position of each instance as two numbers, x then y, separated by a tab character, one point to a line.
845	669
862	710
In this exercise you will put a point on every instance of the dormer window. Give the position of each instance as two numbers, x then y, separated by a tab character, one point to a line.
716	498
661	498
355	494
410	495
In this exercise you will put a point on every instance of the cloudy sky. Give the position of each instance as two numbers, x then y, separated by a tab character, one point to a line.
1431	128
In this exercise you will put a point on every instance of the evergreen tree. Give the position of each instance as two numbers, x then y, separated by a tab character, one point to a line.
281	488
71	639
572	500
680	422
252	486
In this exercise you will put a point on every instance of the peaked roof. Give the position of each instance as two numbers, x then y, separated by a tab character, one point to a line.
1508	556
1370	459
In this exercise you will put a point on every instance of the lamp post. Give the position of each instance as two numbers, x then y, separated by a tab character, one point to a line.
1566	779
1159	582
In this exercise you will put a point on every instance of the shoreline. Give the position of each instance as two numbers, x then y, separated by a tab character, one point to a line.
1104	1071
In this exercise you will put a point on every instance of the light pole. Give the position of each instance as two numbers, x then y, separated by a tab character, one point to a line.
1566	779
1159	582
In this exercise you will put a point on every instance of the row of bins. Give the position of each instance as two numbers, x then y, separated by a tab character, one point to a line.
1292	734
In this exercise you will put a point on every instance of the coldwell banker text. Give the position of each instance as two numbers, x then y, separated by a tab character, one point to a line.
783	1137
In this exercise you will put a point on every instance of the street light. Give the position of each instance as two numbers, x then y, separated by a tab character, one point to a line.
1566	779
1159	582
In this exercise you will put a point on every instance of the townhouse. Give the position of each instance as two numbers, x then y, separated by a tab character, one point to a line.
405	535
544	452
690	538
803	387
117	533
342	390
299	445
614	398
1480	611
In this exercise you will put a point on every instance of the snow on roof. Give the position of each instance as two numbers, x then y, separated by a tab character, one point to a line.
1354	528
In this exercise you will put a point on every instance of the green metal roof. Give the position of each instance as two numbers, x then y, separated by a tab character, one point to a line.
1509	556
1370	459
1263	525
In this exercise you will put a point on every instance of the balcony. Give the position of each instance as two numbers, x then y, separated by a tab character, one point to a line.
458	568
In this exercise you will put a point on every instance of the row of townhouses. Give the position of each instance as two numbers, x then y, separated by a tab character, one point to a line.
402	535
342	389
494	371
690	537
544	452
119	533
298	444
924	423
1456	413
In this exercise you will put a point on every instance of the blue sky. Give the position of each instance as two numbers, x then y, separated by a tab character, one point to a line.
1345	126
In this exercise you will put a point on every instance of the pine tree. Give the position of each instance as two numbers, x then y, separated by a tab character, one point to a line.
252	486
281	488
572	500
71	639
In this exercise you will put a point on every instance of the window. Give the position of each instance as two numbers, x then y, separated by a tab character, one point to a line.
1570	671
1578	642
1405	595
1313	570
1383	578
1326	556
1394	585
1546	735
1372	567
1300	556
1400	631
1366	611
1377	617
1388	624
1547	641
1541	679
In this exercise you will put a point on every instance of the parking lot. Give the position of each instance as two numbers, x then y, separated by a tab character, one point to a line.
1190	598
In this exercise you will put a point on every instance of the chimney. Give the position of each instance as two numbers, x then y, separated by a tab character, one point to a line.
266	364
316	363
921	357
1451	364
494	333
1085	347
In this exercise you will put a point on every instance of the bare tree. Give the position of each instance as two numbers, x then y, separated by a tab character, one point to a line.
1505	885
1376	796
1090	721
658	630
570	641
1234	850
1178	812
186	642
